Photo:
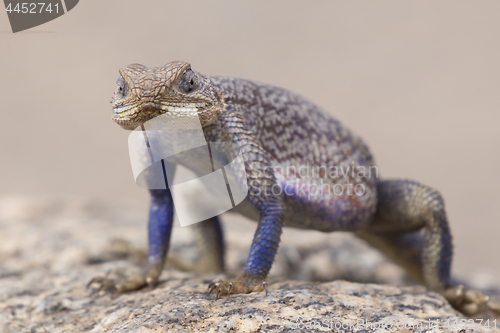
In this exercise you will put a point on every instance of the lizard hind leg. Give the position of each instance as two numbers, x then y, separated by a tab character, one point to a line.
411	228
208	238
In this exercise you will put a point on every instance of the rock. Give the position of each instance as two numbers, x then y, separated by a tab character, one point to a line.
45	252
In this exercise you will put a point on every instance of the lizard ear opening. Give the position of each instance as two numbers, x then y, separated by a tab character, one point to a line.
188	82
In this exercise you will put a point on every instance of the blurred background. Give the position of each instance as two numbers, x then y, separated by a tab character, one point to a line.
419	81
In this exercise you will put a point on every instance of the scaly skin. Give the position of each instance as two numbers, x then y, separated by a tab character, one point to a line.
277	132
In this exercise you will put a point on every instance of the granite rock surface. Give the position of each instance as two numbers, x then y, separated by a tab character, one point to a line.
50	249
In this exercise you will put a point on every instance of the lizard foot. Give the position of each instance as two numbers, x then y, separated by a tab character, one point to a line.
470	302
243	284
119	281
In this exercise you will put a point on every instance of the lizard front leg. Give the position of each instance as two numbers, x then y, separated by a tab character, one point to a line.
270	205
262	252
161	215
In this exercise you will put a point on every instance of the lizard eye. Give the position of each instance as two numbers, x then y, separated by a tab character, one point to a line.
122	87
188	82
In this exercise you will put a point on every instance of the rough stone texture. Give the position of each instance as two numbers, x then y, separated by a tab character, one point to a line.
46	246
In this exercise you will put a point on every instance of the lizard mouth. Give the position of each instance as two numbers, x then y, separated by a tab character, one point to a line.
153	108
137	114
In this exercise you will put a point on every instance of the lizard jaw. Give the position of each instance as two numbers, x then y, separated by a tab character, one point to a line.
132	117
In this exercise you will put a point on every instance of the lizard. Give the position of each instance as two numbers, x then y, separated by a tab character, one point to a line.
276	129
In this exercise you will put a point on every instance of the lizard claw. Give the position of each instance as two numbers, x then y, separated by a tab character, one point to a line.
217	294
211	287
216	286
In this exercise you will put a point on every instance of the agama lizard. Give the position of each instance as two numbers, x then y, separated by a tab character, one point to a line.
276	129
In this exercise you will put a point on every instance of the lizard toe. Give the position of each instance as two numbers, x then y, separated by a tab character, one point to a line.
243	284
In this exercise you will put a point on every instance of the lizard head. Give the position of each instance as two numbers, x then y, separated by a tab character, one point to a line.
172	90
